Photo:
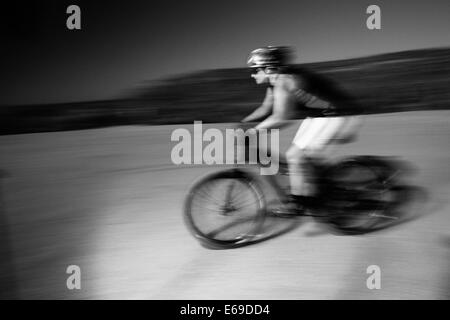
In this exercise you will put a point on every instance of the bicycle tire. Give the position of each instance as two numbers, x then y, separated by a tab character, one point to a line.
210	238
359	214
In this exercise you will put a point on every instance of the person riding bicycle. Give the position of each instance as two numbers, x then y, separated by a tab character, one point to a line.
294	93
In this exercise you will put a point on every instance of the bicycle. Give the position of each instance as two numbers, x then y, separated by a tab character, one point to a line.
353	193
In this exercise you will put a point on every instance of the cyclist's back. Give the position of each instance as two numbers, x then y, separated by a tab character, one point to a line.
319	96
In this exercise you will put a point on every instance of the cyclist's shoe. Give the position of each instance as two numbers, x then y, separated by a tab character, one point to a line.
307	202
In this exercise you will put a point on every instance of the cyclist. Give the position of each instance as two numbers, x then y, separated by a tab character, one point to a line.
294	93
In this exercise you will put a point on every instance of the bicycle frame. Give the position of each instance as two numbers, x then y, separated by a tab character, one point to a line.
316	166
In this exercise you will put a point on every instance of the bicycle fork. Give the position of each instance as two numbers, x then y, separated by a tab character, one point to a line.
227	207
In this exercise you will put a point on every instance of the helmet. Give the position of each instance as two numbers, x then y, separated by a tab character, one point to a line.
269	57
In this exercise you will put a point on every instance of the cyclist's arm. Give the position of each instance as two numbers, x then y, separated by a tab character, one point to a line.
264	110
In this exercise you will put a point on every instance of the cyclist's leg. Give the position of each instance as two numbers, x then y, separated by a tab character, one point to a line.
296	154
295	158
312	136
331	128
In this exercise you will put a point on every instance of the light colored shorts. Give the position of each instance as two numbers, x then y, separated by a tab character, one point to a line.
316	133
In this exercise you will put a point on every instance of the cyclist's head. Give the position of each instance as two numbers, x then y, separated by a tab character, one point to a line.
269	60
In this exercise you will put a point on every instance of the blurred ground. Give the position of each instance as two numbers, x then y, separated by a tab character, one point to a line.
110	201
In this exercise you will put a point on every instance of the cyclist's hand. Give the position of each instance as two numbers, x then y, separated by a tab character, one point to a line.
245	125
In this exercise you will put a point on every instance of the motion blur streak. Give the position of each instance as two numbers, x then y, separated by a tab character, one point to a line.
110	201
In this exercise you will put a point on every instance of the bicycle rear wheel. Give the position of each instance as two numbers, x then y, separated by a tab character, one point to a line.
358	197
225	209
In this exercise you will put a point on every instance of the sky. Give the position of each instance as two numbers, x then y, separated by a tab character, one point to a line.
123	44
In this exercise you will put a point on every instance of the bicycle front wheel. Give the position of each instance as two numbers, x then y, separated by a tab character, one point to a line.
225	209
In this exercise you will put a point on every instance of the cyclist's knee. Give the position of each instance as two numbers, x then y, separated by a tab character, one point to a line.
295	156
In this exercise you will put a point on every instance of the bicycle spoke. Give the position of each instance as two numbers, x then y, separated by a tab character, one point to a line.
216	209
207	191
224	209
239	195
207	197
246	204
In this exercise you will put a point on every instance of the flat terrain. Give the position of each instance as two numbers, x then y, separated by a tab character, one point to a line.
110	201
